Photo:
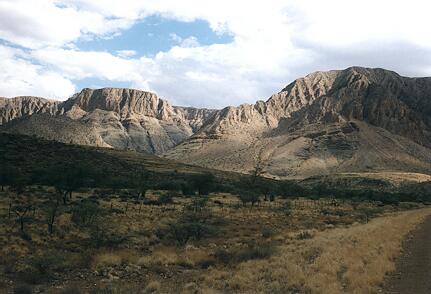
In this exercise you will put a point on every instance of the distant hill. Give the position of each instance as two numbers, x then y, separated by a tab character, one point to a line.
38	159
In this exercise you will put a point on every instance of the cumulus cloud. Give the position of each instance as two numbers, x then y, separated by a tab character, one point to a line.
274	42
21	77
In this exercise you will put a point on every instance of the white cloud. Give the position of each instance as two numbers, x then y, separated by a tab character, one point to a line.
126	53
274	42
174	37
20	77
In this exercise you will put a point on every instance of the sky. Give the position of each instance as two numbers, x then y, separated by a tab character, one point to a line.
202	53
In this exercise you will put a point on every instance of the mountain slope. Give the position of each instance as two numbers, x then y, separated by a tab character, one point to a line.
352	120
118	118
356	119
13	108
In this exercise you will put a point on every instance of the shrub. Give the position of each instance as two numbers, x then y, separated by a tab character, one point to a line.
249	197
152	287
41	268
223	256
170	185
22	289
86	212
71	290
290	189
105	260
267	232
183	232
198	204
253	251
203	183
166	198
286	208
100	237
256	251
187	189
303	235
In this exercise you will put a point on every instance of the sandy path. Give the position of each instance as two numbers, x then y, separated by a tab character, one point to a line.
413	273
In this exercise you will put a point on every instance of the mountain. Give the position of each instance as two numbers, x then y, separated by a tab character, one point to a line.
110	117
358	119
17	107
352	120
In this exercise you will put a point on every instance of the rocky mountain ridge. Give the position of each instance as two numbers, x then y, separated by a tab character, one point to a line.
115	117
357	119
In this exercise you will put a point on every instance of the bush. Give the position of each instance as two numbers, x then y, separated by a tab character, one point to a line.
253	251
166	198
170	185
187	189
183	232
249	197
41	268
267	232
290	189
198	204
100	237
203	183
304	235
86	212
22	289
286	208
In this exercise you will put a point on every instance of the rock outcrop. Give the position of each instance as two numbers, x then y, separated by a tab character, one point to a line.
13	108
116	117
357	119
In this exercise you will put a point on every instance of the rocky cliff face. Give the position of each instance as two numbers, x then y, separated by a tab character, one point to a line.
351	120
17	107
119	118
357	119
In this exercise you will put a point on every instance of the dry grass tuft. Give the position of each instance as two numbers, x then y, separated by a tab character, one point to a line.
106	259
114	258
341	260
152	287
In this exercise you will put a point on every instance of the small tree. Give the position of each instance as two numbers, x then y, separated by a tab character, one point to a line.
141	183
7	173
256	173
203	183
21	211
52	209
198	203
67	180
290	189
23	205
86	213
249	197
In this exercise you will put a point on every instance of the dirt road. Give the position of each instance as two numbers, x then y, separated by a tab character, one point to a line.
413	273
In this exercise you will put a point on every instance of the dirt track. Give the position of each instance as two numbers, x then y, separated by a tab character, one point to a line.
413	273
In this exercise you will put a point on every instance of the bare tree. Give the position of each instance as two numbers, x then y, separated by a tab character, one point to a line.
52	210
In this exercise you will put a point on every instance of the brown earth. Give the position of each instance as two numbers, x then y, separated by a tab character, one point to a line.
413	273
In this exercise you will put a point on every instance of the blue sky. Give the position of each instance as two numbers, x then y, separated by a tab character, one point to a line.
148	37
155	34
202	53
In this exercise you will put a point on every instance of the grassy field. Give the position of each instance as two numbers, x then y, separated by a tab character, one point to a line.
105	241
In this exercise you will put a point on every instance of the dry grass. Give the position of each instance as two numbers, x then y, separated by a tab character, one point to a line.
341	260
113	258
273	247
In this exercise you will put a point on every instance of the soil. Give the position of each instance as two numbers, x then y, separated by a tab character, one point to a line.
413	271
